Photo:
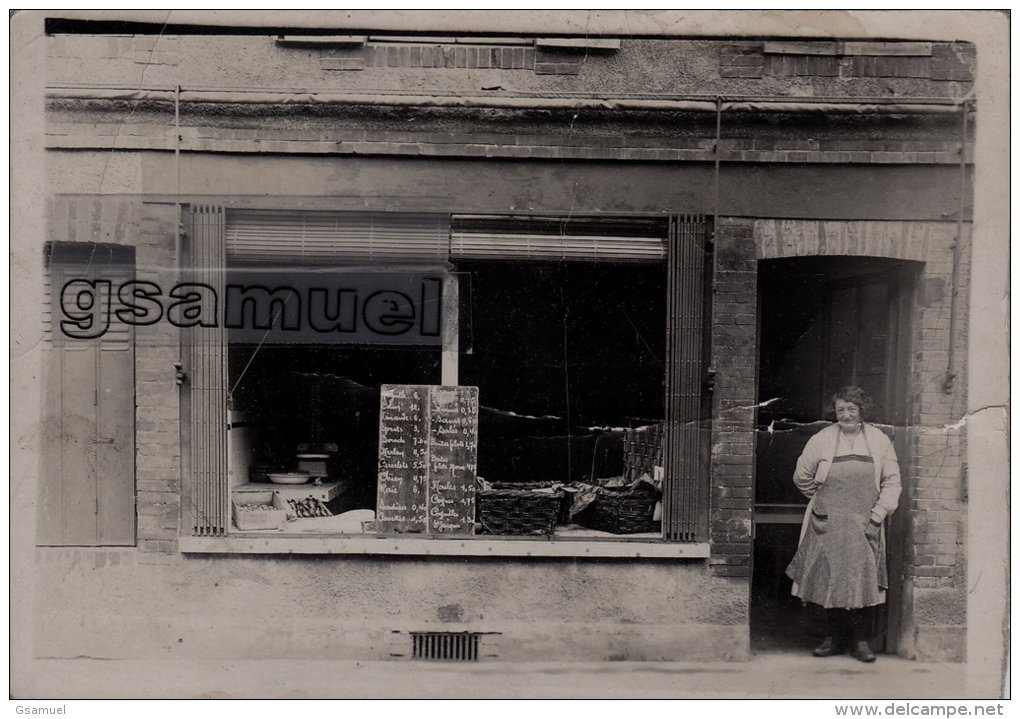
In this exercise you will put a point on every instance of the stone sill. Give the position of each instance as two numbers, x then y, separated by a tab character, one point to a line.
418	546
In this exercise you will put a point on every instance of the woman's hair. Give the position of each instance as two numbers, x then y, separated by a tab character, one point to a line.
850	393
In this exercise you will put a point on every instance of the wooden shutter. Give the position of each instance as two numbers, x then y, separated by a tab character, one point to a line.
337	237
206	410
683	490
87	494
491	237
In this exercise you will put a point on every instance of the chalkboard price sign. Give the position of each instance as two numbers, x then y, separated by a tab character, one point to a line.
428	454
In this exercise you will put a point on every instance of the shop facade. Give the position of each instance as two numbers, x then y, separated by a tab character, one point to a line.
245	260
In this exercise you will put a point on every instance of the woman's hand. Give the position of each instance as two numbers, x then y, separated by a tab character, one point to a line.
873	529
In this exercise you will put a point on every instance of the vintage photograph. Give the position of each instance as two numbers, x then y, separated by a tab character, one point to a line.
509	354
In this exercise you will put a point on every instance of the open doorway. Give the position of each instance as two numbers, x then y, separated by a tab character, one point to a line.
824	322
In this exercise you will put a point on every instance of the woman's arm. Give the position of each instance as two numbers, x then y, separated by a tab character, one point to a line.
889	486
807	467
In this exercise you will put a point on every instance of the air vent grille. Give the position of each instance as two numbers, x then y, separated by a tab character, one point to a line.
445	646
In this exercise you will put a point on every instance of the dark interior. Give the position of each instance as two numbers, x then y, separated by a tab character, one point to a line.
565	356
305	394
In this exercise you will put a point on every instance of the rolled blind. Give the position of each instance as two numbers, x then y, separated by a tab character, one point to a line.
344	237
476	237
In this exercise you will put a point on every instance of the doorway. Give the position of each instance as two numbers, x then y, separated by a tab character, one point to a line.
824	322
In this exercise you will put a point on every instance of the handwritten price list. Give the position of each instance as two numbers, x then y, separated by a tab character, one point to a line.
428	453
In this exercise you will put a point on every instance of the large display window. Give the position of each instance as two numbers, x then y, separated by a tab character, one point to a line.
564	333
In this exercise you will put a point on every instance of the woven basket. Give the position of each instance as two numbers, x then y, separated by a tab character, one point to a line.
518	510
621	511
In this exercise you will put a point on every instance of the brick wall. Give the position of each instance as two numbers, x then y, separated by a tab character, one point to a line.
157	435
734	358
657	66
944	61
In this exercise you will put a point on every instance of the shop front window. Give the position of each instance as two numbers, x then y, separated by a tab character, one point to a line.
569	361
565	337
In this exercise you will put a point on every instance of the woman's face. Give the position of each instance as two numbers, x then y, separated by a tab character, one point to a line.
848	414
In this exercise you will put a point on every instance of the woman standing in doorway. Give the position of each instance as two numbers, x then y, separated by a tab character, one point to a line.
850	473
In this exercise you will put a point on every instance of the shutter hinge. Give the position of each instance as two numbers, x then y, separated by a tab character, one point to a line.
710	374
180	376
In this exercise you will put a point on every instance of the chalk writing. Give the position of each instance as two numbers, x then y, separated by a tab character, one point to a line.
428	439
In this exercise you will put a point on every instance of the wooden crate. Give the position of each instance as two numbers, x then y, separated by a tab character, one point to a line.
259	519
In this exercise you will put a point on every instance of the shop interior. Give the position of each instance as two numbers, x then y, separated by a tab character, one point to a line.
568	358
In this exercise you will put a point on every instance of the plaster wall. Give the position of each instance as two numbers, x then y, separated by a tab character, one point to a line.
107	603
900	192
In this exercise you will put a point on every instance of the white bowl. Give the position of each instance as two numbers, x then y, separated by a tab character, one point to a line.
289	478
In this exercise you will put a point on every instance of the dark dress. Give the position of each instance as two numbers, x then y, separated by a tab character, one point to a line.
840	562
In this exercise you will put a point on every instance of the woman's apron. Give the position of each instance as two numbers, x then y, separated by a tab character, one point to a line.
840	562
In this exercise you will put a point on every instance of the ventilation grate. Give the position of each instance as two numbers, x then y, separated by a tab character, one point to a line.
445	646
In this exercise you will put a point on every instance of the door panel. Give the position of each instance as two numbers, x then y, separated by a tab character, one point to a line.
87	489
115	441
77	446
859	330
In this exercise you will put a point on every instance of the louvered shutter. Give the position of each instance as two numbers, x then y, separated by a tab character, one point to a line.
308	237
482	237
206	378
87	492
685	484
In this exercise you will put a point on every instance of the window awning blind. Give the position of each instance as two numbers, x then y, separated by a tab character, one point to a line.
337	237
477	237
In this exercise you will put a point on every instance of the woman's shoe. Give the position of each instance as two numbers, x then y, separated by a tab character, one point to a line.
827	648
862	652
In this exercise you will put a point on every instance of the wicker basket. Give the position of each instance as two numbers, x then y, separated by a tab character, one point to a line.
512	509
621	511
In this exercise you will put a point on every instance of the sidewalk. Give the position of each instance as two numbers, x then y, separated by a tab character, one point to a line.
778	675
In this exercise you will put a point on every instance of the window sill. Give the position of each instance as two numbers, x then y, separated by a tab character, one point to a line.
443	546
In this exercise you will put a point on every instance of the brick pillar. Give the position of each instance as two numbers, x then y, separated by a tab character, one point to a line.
157	410
734	358
936	502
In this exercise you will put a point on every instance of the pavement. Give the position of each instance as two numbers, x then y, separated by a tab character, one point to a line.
764	676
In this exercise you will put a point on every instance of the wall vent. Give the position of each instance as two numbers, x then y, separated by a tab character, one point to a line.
445	646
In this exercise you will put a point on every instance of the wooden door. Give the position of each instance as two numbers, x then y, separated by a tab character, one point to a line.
868	345
860	333
87	492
